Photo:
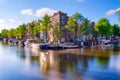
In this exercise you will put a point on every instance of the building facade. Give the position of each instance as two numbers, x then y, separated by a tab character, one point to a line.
60	19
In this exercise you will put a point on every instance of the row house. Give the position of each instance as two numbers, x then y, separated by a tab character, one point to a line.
85	37
61	19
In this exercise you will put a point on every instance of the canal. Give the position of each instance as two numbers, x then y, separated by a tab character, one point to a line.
18	63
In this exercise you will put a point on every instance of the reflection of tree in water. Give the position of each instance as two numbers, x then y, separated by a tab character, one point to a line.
116	49
66	62
62	62
102	61
21	53
34	59
22	57
73	62
83	63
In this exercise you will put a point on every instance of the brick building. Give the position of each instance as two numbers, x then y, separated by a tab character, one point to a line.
62	19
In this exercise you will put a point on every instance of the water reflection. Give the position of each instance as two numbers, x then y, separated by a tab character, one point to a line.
77	64
102	61
64	63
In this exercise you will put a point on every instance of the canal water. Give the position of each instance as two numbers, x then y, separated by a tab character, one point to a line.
18	63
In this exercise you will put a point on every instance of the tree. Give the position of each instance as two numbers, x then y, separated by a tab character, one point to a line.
115	30
19	32
11	33
32	25
4	33
57	32
37	28
23	29
85	26
0	35
103	27
15	33
73	23
46	25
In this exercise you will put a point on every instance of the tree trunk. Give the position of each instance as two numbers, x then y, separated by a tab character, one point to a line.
46	34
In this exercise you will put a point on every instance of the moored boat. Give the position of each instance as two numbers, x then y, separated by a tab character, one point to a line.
55	47
35	45
44	46
27	43
70	47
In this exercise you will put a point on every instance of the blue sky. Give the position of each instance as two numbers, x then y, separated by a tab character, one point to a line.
16	12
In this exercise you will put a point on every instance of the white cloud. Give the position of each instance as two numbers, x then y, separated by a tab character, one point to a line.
41	12
111	12
2	21
27	12
11	20
9	23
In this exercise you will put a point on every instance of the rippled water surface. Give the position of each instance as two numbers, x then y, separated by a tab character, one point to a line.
78	64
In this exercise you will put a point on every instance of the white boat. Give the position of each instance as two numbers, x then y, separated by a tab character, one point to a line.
27	43
35	45
69	46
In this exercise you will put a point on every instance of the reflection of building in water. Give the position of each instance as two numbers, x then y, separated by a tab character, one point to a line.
35	52
44	61
56	64
49	63
68	65
60	62
48	60
30	56
54	59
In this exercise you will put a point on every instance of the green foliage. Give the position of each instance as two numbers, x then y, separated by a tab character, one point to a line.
85	26
78	18
39	25
71	24
10	33
36	29
46	25
77	24
4	33
103	27
57	32
0	35
16	33
32	25
116	30
74	23
21	30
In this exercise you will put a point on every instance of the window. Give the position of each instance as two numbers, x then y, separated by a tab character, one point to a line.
62	17
63	22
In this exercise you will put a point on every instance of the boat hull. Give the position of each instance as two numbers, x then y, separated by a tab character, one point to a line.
43	46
